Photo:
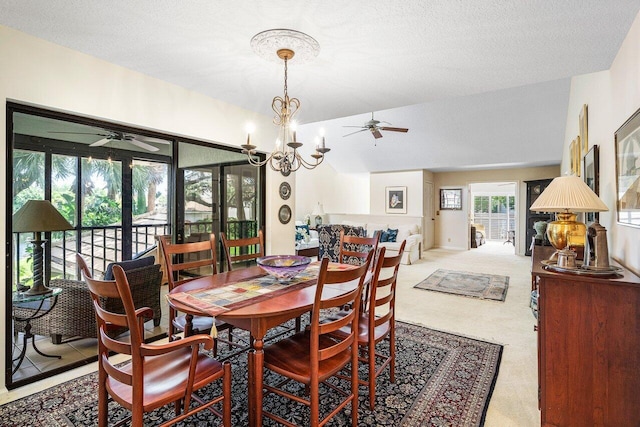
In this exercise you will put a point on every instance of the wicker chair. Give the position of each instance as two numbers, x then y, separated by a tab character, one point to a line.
74	316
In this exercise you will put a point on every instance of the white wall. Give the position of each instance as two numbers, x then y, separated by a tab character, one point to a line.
44	74
337	192
612	97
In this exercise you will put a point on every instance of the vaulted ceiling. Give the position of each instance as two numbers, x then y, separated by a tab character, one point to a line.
480	84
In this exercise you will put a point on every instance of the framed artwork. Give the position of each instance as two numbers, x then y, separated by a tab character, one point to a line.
627	142
451	199
591	171
575	152
396	200
584	135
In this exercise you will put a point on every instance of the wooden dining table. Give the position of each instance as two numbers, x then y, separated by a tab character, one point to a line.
257	318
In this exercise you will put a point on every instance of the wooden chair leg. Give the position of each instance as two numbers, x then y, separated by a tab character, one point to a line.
230	331
315	404
226	392
372	377
103	402
354	390
392	354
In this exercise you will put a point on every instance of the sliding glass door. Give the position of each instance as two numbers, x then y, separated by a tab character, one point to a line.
218	192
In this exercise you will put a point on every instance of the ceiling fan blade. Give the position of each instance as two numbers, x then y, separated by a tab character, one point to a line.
351	126
100	142
376	133
79	133
142	145
358	131
394	129
151	139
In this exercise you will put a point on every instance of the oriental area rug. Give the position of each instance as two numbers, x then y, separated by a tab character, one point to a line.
475	285
441	380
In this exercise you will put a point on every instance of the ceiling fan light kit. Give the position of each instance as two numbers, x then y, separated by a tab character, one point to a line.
285	158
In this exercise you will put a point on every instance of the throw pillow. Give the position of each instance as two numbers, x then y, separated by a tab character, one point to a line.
392	235
382	235
301	232
128	265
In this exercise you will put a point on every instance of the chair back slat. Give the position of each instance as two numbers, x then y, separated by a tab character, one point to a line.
382	290
341	280
179	262
244	249
354	249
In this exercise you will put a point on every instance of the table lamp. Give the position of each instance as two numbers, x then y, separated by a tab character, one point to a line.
318	212
565	196
38	216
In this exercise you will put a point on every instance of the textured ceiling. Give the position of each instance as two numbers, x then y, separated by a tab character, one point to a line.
482	82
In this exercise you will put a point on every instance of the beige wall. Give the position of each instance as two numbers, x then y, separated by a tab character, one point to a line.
44	74
612	97
452	227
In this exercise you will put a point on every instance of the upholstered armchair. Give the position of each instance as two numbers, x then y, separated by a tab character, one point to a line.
73	316
329	236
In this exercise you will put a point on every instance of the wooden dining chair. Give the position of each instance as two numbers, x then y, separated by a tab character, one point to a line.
354	249
313	356
244	250
155	375
377	320
185	262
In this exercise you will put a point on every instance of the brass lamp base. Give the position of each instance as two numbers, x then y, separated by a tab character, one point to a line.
565	231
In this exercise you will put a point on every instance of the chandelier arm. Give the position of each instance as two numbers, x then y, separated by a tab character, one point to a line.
306	164
258	163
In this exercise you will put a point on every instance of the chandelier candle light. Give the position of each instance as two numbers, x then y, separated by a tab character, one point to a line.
285	158
566	195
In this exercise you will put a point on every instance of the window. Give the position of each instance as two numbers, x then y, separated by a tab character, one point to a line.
496	213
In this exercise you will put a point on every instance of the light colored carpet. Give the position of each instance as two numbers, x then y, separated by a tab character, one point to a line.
514	402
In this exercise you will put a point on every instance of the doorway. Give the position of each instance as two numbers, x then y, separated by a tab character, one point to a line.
493	213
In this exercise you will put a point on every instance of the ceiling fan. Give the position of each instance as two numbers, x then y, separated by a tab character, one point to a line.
132	139
373	126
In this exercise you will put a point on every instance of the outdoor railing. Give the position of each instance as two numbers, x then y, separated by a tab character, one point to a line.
99	245
103	245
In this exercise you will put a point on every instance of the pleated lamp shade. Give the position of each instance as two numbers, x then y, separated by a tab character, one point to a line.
568	194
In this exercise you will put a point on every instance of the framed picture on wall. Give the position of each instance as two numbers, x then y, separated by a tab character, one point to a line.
627	141
396	200
591	176
451	199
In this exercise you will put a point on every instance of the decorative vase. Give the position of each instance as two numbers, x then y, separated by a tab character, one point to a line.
540	227
565	231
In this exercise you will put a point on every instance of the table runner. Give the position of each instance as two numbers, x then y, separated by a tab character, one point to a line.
215	301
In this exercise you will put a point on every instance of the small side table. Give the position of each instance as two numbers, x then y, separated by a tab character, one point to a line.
310	252
41	306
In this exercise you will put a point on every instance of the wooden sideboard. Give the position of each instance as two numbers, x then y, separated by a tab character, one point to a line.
588	347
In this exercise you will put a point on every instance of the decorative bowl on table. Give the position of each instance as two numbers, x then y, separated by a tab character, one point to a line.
283	267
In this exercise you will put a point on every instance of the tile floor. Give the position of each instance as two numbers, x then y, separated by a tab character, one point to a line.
510	323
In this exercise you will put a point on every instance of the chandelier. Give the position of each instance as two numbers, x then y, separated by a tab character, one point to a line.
285	157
